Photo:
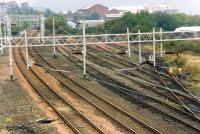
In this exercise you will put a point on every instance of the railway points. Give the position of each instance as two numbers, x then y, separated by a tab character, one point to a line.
153	102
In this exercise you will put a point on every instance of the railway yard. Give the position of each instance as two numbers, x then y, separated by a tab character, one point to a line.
116	96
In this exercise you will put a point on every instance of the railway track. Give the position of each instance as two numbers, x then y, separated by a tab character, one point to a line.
191	127
69	114
145	103
124	118
189	103
109	64
115	64
163	92
152	77
192	103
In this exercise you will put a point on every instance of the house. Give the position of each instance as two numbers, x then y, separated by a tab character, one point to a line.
166	8
132	9
13	7
3	8
113	16
188	29
117	12
91	23
98	8
73	23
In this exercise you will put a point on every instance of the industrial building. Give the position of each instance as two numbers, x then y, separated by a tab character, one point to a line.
188	29
116	12
13	7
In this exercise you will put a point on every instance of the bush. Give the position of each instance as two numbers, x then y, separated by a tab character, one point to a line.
183	46
179	62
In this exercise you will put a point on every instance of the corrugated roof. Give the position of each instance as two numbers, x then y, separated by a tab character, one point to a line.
91	21
91	5
88	6
189	28
129	8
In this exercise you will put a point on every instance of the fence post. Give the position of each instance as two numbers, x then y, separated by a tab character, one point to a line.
5	33
161	44
1	40
42	28
54	39
129	43
154	48
9	34
84	51
26	44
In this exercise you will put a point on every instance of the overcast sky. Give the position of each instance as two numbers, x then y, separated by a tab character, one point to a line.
188	6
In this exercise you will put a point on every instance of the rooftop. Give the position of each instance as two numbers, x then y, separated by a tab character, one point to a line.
139	7
189	28
91	5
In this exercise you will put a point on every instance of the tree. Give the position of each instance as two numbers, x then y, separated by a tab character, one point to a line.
144	21
120	25
141	21
193	20
48	13
170	22
129	19
108	24
61	25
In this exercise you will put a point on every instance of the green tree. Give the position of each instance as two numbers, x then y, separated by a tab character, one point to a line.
48	13
129	20
141	21
144	21
165	21
61	25
108	24
193	20
120	25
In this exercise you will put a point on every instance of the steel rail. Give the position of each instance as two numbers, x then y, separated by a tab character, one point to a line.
76	130
105	101
131	96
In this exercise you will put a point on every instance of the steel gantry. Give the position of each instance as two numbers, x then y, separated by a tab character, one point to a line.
31	20
6	39
1	40
3	33
85	39
21	19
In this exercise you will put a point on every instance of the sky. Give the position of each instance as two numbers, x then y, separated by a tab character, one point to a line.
188	6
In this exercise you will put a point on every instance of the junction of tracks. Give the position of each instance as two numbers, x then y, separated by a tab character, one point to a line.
115	94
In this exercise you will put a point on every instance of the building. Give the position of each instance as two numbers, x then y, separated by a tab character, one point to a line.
3	8
101	10
90	23
25	8
91	12
98	8
73	23
13	7
150	8
188	29
166	8
113	16
116	12
132	9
